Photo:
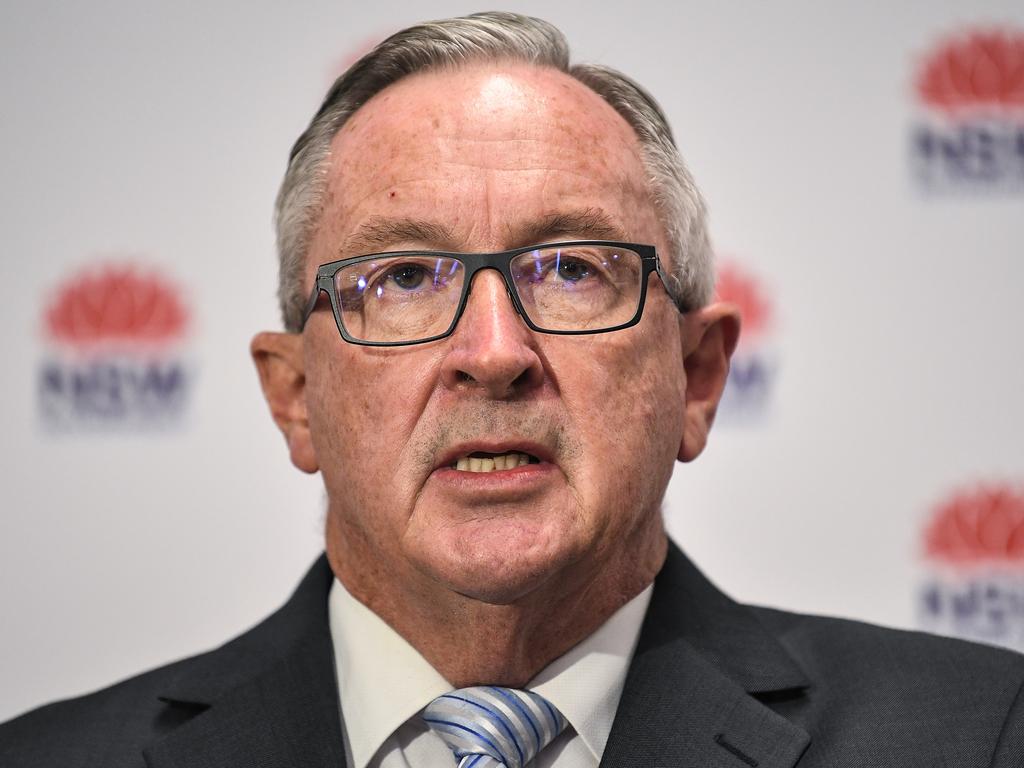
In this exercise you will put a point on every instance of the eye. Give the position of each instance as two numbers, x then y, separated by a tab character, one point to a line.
408	277
573	270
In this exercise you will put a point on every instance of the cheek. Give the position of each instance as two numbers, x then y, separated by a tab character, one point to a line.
356	429
644	376
627	407
334	415
364	407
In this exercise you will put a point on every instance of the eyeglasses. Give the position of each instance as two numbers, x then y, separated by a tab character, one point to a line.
412	297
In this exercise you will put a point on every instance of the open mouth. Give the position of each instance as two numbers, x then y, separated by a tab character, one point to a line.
481	461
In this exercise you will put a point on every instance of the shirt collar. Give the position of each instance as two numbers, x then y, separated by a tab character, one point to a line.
586	682
383	681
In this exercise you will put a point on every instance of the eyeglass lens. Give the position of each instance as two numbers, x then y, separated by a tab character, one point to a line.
411	297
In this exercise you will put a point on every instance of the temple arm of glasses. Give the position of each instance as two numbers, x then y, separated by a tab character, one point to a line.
670	283
314	297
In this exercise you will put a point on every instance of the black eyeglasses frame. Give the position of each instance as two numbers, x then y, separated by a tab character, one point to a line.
473	263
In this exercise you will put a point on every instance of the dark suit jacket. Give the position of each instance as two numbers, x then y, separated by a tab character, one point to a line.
714	684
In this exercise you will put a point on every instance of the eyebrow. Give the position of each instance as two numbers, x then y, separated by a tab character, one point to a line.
379	232
589	223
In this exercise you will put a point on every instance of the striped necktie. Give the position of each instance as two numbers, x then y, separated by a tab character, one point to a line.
490	727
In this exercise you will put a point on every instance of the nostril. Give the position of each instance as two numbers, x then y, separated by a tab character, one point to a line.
523	379
463	377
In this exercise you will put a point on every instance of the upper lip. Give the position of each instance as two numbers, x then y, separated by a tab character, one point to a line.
455	452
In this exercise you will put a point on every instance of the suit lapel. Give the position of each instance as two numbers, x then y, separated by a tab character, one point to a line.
268	698
690	694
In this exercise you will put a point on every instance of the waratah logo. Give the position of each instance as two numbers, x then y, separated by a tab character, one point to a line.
114	335
981	525
969	134
752	372
973	547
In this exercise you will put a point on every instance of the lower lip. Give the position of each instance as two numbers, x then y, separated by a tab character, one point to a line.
518	478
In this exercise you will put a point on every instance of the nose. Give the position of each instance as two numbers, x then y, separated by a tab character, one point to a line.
492	349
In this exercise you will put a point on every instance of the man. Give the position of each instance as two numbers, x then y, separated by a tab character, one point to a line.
496	282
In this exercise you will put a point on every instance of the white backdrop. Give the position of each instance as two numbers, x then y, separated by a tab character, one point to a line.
155	135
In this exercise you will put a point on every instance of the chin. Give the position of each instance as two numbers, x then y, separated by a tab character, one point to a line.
497	562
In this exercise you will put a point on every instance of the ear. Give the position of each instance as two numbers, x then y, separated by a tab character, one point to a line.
709	337
282	369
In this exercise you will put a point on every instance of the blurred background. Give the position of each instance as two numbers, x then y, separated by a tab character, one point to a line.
864	167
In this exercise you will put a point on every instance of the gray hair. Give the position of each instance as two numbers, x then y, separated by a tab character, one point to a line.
492	36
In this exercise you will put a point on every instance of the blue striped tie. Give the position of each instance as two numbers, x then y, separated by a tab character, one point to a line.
490	727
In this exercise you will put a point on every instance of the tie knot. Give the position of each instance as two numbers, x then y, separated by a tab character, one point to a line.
487	726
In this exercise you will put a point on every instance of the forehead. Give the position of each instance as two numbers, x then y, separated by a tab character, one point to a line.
482	150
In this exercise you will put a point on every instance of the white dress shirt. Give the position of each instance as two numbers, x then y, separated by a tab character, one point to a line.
384	684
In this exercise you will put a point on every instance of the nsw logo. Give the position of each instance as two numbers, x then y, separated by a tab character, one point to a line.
968	135
114	341
974	554
748	390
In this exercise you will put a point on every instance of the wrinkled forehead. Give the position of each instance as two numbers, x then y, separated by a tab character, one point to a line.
493	119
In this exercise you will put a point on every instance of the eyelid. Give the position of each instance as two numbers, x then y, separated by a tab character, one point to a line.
381	271
575	253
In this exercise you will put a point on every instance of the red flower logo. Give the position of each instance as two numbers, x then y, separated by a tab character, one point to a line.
740	288
115	304
984	524
978	69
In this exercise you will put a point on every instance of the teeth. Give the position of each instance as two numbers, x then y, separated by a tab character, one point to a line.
505	461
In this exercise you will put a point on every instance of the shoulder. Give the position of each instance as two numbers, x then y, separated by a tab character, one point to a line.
862	695
890	683
856	653
109	727
113	726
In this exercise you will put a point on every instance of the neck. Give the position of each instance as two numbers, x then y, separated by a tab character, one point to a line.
471	642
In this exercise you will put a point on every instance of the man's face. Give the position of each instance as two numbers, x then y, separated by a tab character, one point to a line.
485	159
